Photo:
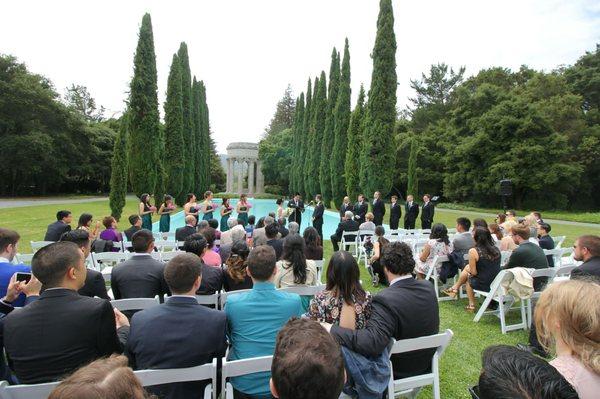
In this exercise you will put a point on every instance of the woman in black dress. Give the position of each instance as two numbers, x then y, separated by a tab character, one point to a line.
378	244
234	270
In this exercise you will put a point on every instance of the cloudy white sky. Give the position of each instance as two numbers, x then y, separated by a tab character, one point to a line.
248	51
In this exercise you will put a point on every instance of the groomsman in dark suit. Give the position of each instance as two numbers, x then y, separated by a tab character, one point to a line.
360	209
298	207
346	206
378	209
395	213
411	213
427	212
317	218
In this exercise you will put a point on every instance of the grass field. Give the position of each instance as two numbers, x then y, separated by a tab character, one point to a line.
460	365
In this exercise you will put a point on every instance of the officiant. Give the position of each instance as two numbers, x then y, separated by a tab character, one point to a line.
297	207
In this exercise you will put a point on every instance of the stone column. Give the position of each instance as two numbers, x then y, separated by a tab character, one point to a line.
240	176
251	164
260	180
229	184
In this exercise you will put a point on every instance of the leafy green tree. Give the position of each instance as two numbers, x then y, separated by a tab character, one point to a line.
316	136
381	107
189	138
275	152
328	132
341	121
584	77
304	142
412	187
284	113
143	113
79	99
118	176
217	173
355	145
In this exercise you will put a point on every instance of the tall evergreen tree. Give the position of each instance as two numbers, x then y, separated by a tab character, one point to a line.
196	116
188	121
304	141
341	121
355	144
143	114
206	139
296	143
316	137
284	113
381	107
175	162
412	187
161	173
118	171
308	149
328	131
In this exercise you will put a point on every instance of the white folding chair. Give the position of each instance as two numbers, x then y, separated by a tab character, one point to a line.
164	236
304	290
363	236
127	246
134	303
236	368
452	231
563	271
410	386
432	273
349	242
209	300
424	231
548	272
106	273
100	260
165	245
505	303
504	256
418	245
24	391
168	376
558	241
167	256
556	254
319	265
35	245
224	294
23	258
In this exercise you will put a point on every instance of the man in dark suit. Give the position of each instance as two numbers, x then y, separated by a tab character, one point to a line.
317	217
587	249
427	211
411	213
152	330
395	213
142	275
212	277
63	330
393	315
360	209
378	209
136	225
347	224
346	206
297	206
190	228
272	231
62	225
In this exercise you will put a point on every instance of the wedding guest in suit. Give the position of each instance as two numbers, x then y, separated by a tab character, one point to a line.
297	206
9	241
283	231
346	206
190	228
410	213
259	236
587	249
347	224
212	277
62	224
273	240
395	213
463	239
136	225
317	217
378	209
427	211
360	209
545	241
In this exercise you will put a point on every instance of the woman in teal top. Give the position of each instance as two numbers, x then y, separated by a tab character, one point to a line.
207	206
166	208
145	211
242	208
226	210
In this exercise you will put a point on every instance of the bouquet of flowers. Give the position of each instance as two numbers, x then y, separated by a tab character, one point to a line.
153	208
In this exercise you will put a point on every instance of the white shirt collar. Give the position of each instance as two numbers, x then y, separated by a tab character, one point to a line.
394	281
140	254
4	260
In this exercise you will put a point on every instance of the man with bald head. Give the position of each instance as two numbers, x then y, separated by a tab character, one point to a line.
190	228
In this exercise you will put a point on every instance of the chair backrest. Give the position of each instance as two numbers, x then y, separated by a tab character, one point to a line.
101	260
437	260
558	241
33	391
504	255
306	290
134	303
349	237
425	231
564	270
547	272
161	236
23	258
168	376
166	245
35	245
224	294
212	299
167	256
236	368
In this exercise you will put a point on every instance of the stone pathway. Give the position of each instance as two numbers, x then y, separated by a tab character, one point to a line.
22	202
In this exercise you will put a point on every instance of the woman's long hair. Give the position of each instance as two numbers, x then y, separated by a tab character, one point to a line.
312	238
485	244
167	199
145	198
293	252
380	233
84	220
236	263
495	230
439	232
343	277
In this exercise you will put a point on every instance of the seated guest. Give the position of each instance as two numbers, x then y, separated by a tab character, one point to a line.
226	235
210	257
94	280
463	239
508	372
141	276
259	237
307	363
9	241
503	239
190	228
152	330
378	244
347	224
110	232
343	294
85	223
314	246
438	245
531	222
282	230
250	226
261	223
537	217
393	314
214	224
587	250
80	329
293	268
368	224
30	289
62	225
136	225
484	265
212	277
527	255
255	317
272	233
237	235
545	241
567	318
479	223
293	228
103	378
234	272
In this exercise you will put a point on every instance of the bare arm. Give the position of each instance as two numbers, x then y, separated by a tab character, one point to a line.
425	253
473	258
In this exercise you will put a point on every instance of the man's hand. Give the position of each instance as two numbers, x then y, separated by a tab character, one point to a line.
12	291
120	319
33	287
326	326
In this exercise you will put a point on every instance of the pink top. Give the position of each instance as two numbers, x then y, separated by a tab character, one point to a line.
211	258
584	380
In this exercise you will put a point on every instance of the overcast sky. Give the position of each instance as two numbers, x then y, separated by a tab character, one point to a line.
248	51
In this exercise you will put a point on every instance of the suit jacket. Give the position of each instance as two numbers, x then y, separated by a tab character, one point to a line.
139	277
407	309
463	242
55	230
427	212
277	245
184	232
591	268
130	232
212	280
152	332
61	331
259	237
378	212
94	285
360	211
344	208
411	212
346	225
395	214
296	215
318	213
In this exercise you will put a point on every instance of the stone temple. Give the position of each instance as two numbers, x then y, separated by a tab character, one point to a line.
242	160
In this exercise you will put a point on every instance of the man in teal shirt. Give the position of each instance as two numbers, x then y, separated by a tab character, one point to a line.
255	317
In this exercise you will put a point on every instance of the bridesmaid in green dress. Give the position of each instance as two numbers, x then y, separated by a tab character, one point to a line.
145	211
226	210
242	208
207	206
166	208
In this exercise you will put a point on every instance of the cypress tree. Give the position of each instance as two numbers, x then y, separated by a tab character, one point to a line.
328	132
197	125
118	171
308	147
161	174
174	160
205	149
304	141
381	107
412	187
143	114
355	145
341	122
296	143
188	129
316	138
